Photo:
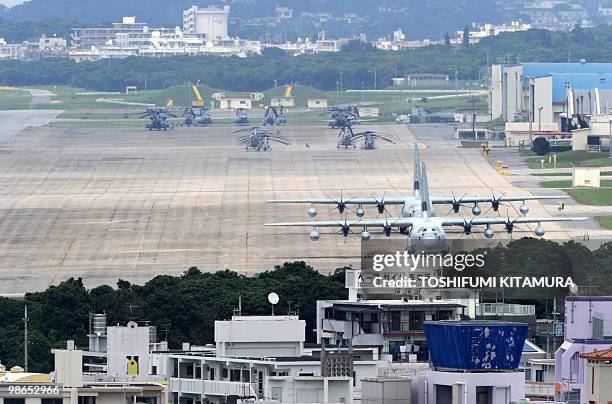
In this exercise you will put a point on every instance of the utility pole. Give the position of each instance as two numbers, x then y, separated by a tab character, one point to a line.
25	338
341	73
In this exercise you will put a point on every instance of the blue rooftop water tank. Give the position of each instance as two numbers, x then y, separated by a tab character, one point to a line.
475	345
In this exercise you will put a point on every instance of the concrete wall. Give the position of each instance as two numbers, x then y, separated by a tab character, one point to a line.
512	91
505	387
69	367
586	177
290	390
260	336
542	98
599	388
234	103
123	343
316	103
579	313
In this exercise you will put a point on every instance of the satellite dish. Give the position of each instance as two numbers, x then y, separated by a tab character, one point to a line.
273	298
573	288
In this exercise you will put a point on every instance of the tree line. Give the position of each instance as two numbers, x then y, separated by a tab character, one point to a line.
185	307
359	64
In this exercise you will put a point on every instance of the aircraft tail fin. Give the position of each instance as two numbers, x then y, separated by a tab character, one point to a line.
426	206
417	169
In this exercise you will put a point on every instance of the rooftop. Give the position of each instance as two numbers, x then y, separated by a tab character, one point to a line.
603	355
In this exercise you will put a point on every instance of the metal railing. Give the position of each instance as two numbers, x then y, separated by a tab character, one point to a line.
504	309
213	387
540	389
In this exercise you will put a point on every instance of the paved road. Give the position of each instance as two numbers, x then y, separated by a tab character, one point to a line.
40	96
13	122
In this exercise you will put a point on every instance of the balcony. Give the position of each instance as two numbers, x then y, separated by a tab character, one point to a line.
504	309
539	389
213	387
403	328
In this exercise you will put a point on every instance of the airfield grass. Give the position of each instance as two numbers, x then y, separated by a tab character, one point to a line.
604	221
583	195
14	99
568	184
570	159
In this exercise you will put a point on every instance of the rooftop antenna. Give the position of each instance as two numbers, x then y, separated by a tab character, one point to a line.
273	299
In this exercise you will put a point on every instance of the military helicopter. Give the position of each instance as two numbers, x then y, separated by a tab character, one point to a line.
272	117
190	117
205	117
242	117
259	139
158	118
348	138
342	116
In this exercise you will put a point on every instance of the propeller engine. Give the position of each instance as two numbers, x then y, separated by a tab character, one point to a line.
467	228
509	226
387	229
346	229
456	206
380	206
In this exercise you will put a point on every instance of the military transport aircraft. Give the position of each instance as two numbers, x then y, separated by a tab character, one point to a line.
419	221
411	203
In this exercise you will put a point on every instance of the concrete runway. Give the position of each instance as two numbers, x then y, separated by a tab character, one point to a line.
13	122
104	204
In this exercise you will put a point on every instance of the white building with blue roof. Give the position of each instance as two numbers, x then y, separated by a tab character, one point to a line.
538	92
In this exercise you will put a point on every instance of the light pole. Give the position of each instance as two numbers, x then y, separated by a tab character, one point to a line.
337	93
540	118
341	73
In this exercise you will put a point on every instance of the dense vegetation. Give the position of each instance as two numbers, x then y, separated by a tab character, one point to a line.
357	64
184	308
16	32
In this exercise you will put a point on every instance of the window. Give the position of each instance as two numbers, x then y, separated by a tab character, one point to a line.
198	372
51	401
235	375
83	400
14	401
153	370
212	374
246	376
539	375
224	373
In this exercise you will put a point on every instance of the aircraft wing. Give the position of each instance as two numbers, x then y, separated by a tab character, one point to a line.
387	200
459	221
477	199
392	222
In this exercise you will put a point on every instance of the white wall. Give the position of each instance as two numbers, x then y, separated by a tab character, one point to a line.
260	336
124	342
509	385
